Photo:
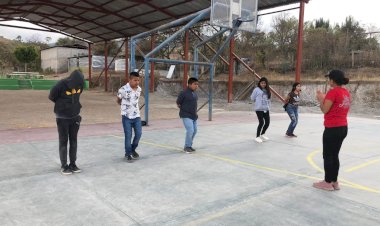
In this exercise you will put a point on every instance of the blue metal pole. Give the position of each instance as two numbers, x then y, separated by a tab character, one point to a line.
176	34
237	23
196	60
171	24
212	37
196	74
178	61
210	92
225	43
146	89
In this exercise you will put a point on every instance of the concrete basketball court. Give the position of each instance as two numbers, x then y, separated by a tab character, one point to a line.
230	180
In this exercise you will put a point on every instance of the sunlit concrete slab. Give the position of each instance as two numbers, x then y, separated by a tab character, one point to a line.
230	180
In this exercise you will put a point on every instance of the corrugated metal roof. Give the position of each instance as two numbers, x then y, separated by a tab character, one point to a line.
99	20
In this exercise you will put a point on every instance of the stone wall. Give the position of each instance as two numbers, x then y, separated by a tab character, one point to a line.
364	94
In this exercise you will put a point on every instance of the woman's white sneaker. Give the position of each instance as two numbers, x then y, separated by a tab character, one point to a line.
258	140
264	138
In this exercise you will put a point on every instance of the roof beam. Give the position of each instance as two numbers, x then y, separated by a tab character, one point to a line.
49	29
84	19
115	14
62	23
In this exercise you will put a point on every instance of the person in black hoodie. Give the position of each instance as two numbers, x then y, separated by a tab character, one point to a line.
65	94
187	103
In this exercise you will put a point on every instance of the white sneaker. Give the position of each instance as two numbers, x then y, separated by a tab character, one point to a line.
264	138
258	140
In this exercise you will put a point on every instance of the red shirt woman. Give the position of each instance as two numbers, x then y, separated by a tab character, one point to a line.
335	105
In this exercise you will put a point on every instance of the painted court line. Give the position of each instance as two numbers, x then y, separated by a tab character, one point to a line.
345	182
362	165
238	162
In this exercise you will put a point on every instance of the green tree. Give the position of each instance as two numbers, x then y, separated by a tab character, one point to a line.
48	39
112	47
67	41
353	34
321	23
284	39
25	55
18	38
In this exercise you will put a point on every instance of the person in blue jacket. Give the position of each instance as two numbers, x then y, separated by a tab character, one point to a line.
261	96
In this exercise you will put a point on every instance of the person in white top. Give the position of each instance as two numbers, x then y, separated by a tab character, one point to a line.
128	99
261	96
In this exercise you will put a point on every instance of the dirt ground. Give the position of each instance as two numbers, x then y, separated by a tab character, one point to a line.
33	109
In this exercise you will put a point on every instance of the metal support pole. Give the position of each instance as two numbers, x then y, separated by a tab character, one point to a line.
210	91
179	62
177	33
171	24
106	66
186	66
196	60
104	69
196	52
198	16
231	70
212	37
233	32
146	92
208	46
89	65
151	87
300	40
133	54
126	60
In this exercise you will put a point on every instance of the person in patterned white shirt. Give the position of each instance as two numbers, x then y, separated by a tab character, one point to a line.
128	99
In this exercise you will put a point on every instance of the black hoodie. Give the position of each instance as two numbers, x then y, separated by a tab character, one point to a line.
65	94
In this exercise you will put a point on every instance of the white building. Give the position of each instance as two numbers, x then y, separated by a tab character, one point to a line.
56	58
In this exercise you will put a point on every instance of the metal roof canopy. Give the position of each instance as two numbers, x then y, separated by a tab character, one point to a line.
102	20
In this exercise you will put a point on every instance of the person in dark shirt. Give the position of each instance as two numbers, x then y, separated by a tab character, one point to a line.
292	102
187	103
65	94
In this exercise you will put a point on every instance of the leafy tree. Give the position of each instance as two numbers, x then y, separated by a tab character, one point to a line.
48	39
98	48
284	38
67	41
25	54
354	34
18	38
321	23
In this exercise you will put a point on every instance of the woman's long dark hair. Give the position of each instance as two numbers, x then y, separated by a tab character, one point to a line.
295	86
263	79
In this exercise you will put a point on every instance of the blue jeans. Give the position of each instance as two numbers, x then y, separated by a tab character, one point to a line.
191	130
128	124
293	115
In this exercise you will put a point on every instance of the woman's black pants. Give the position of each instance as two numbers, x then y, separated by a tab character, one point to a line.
332	141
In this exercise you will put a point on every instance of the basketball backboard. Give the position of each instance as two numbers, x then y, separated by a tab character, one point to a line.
224	12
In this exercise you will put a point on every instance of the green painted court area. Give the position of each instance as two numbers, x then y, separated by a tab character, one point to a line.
35	84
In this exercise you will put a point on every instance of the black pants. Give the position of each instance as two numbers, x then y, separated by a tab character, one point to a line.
332	141
264	121
68	130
